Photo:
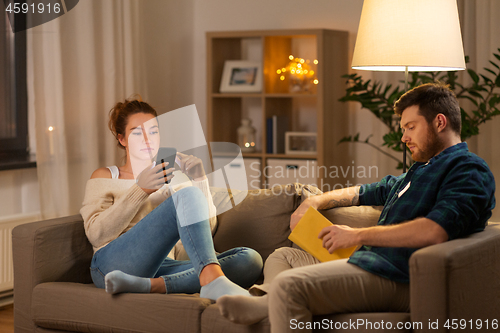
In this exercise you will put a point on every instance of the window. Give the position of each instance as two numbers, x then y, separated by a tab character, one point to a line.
13	91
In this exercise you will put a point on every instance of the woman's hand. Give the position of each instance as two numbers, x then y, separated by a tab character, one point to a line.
191	166
153	177
301	210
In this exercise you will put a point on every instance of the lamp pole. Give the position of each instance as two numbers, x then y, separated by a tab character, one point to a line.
404	145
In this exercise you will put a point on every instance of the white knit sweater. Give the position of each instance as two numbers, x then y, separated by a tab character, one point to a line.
112	206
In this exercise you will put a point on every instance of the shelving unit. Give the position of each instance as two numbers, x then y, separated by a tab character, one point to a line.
318	111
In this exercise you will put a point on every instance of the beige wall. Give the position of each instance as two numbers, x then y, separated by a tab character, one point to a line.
167	30
19	191
175	49
167	33
218	15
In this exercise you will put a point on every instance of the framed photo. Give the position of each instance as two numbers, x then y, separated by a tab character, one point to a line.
303	143
241	76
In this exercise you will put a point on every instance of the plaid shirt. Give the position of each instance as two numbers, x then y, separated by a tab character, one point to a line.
455	189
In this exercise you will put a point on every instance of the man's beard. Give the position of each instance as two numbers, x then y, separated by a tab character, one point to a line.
431	148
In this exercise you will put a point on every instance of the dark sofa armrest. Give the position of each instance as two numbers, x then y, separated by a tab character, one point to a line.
459	279
54	250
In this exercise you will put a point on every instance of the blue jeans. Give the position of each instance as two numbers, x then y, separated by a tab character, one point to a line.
142	251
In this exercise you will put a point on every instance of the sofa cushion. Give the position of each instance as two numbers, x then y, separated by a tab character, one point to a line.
355	217
373	322
213	322
260	221
84	308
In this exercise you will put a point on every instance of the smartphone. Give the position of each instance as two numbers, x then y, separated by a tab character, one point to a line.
166	154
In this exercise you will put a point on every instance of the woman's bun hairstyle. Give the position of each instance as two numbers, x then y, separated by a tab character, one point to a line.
118	115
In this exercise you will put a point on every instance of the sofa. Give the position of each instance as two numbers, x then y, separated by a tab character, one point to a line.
53	291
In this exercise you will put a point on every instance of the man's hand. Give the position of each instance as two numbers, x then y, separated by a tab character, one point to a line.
191	166
337	198
417	233
301	210
339	237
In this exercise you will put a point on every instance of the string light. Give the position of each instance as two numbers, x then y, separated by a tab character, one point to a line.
301	69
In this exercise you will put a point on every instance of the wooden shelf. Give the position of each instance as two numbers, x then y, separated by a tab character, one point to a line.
233	95
260	95
292	156
318	111
289	95
256	154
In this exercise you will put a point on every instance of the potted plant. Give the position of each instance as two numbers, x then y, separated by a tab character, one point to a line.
379	98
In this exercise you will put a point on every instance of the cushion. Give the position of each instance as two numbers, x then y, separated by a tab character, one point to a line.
260	221
213	322
355	217
84	308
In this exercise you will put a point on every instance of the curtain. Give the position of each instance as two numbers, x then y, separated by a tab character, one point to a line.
480	25
79	66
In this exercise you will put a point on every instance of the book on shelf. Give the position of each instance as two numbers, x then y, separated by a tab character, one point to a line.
305	234
269	134
276	127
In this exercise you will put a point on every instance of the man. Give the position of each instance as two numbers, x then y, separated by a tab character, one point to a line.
448	193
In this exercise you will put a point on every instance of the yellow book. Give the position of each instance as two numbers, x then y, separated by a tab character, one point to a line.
305	234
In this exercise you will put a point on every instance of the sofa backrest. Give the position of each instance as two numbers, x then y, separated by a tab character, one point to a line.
261	220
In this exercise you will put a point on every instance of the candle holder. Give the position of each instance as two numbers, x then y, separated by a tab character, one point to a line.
246	136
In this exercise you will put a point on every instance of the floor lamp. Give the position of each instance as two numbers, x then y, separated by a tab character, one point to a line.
409	36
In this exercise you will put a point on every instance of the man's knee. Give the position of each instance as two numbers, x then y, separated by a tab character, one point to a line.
280	254
287	254
286	280
293	257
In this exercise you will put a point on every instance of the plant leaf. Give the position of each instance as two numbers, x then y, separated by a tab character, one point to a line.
491	62
486	79
473	75
475	94
346	139
470	99
489	70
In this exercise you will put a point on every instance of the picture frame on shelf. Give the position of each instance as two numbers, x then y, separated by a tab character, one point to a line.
241	76
303	143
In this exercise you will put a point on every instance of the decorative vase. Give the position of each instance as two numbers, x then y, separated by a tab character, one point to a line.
246	136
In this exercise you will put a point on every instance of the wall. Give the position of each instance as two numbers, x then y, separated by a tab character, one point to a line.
478	19
19	192
174	44
167	34
219	15
167	30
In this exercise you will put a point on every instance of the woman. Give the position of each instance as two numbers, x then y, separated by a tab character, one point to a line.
133	220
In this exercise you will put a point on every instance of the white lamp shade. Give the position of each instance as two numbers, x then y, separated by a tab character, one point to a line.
421	34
